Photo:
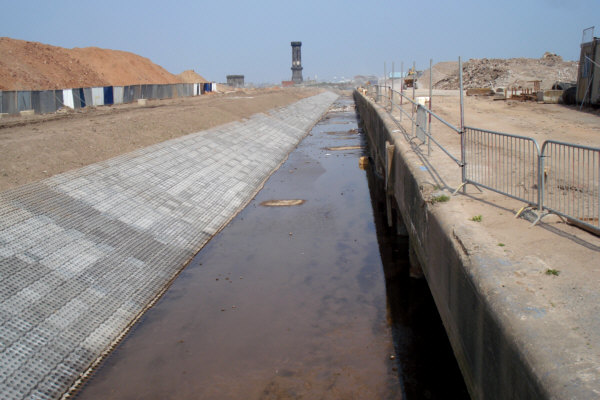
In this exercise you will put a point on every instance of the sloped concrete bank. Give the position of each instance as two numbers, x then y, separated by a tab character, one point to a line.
83	254
496	359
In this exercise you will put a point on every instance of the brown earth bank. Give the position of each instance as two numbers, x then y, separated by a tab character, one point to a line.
495	72
28	65
37	147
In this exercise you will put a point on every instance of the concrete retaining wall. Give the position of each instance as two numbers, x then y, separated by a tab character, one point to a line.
493	364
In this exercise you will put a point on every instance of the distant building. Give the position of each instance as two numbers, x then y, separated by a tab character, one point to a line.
235	80
588	76
296	62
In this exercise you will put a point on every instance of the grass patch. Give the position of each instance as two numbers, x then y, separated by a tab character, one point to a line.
501	244
439	199
554	272
477	218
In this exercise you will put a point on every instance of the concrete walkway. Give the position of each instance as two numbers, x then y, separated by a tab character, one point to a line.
520	304
84	253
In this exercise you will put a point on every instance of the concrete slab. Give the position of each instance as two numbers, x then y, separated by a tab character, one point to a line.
82	254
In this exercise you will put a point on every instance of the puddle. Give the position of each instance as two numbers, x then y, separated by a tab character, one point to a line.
293	302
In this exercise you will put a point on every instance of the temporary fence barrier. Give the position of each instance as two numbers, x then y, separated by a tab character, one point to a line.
561	178
48	101
418	116
503	163
68	98
117	94
97	96
108	95
89	99
570	180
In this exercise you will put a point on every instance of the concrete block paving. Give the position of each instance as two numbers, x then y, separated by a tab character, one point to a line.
84	252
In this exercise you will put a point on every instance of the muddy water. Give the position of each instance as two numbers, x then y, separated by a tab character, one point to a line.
292	301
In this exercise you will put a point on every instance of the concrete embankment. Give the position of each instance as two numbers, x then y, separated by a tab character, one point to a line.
509	342
83	254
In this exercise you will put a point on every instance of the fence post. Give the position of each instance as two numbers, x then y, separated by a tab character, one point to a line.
430	100
392	92
541	183
462	128
384	82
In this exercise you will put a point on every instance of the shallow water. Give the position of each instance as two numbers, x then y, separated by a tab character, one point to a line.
293	302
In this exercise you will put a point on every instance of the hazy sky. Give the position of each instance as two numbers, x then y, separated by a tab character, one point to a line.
339	38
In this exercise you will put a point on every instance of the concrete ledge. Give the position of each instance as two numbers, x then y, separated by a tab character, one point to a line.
508	345
25	113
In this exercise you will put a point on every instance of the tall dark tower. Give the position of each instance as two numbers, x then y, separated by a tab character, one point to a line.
296	62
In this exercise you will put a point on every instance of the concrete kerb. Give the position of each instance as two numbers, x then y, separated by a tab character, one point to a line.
94	227
506	344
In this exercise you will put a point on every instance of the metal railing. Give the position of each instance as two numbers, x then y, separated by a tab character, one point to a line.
503	163
419	117
561	178
570	180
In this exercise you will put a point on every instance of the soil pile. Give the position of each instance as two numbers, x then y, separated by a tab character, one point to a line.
190	76
36	66
494	72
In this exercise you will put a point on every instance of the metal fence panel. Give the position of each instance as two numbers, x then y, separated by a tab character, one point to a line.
146	92
47	102
571	180
68	99
35	101
23	100
58	99
98	96
128	92
164	91
137	92
118	94
501	162
108	95
89	99
421	124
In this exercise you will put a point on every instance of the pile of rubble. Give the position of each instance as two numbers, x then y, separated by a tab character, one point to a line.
512	72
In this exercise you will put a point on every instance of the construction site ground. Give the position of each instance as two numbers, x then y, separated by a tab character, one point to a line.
40	146
560	311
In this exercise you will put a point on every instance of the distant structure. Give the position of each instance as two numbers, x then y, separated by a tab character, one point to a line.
296	62
235	80
588	76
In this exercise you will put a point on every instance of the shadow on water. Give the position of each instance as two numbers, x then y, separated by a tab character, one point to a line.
426	365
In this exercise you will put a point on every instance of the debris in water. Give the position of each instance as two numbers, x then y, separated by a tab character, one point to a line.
343	148
282	203
363	162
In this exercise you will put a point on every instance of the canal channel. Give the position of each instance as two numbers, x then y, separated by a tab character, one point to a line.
309	300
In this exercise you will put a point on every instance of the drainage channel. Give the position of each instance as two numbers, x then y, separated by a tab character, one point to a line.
305	294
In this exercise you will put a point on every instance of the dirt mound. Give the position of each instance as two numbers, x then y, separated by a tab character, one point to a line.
190	76
495	72
120	68
36	66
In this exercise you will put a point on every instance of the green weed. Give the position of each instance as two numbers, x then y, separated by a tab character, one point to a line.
440	199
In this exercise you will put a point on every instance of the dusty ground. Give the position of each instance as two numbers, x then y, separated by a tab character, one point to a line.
37	147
